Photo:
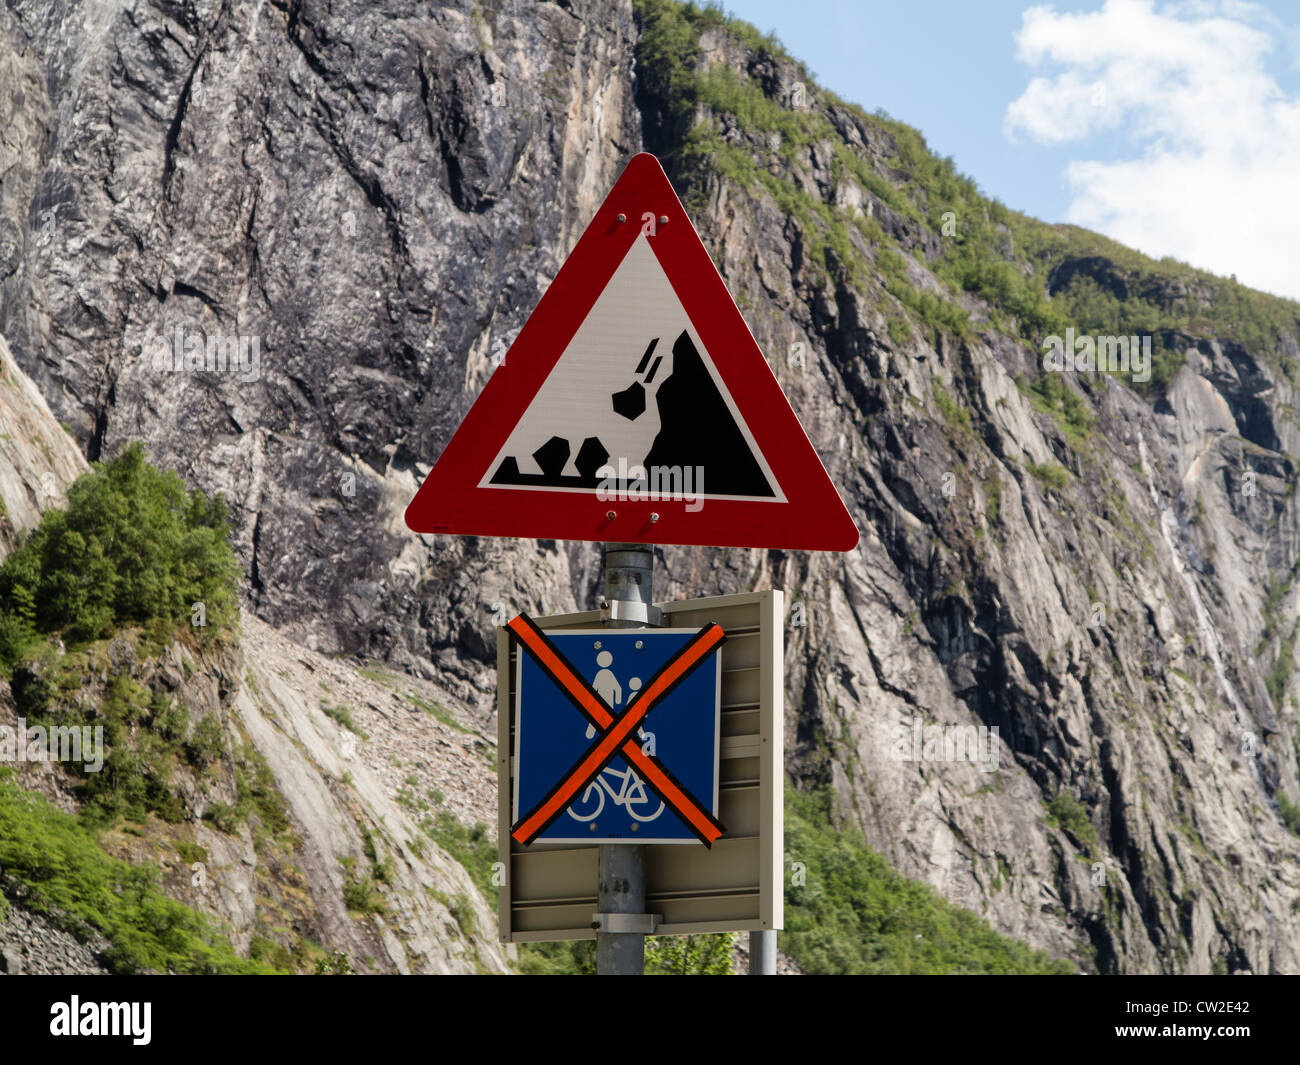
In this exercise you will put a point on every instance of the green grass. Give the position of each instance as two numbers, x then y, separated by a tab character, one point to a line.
379	676
956	416
1049	474
474	848
343	716
1067	812
855	914
1280	674
441	713
58	868
1050	395
992	498
1290	813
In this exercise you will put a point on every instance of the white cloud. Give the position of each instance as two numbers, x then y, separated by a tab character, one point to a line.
1217	169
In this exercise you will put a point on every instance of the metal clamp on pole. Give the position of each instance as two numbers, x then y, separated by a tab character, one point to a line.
643	923
632	612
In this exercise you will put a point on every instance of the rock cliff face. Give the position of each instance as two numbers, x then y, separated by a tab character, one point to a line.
37	458
371	198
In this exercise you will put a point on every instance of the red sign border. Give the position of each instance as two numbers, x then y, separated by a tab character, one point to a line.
813	517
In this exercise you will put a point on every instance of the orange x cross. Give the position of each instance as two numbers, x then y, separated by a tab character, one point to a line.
616	731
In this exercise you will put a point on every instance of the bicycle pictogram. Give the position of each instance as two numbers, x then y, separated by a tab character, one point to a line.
631	793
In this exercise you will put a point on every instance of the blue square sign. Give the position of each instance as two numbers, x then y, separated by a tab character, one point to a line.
681	731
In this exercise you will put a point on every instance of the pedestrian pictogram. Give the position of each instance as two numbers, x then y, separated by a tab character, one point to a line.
635	406
618	735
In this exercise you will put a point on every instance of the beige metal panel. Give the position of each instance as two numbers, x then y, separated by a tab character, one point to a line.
550	875
740	687
743	652
680	872
739	812
771	790
740	722
736	885
745	770
505	700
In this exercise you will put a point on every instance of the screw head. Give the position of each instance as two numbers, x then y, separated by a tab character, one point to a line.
636	827
640	644
611	514
592	826
654	516
663	219
621	219
598	645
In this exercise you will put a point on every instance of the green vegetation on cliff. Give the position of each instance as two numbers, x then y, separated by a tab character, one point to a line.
848	912
55	866
757	122
135	563
133	548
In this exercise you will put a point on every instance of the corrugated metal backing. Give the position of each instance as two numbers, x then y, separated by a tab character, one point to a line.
550	890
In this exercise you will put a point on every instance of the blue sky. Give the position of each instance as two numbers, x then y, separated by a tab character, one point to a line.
1173	127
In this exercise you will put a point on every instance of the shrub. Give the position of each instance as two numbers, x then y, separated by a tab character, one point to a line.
207	743
1067	812
222	816
1050	474
703	955
132	548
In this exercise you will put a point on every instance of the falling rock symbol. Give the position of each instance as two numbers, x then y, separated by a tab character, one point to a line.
630	402
552	456
699	431
695	430
591	457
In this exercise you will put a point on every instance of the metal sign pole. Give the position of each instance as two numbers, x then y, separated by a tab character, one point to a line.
762	952
620	880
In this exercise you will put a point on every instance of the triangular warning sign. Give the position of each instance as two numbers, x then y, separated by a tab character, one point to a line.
635	406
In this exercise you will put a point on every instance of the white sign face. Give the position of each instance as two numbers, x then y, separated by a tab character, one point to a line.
636	406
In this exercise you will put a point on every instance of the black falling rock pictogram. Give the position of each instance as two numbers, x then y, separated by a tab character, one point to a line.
697	429
630	402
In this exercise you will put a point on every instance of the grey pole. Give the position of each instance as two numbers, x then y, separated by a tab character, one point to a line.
762	952
620	880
